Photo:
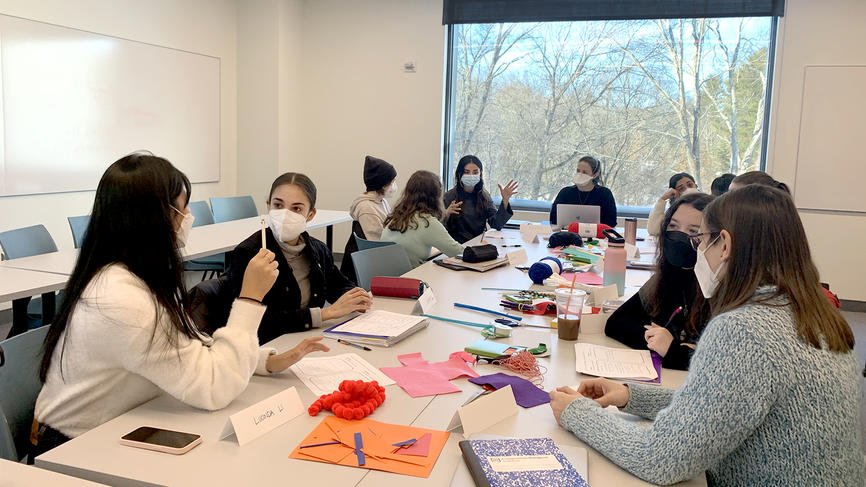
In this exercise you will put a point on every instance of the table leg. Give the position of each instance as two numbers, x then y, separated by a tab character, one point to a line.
48	308
19	316
329	237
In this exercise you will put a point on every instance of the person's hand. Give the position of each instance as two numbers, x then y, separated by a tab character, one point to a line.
508	191
260	275
658	339
560	399
453	208
356	299
669	194
605	392
282	361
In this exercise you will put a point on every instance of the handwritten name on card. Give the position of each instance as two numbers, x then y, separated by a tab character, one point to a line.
262	417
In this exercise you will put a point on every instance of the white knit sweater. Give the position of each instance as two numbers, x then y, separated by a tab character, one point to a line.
113	359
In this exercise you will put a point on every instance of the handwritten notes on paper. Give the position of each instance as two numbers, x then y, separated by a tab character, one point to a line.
324	374
380	323
614	363
262	417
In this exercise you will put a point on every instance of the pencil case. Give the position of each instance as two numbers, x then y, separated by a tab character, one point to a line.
480	253
396	287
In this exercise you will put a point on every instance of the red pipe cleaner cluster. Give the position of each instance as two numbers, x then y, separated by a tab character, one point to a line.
354	400
525	364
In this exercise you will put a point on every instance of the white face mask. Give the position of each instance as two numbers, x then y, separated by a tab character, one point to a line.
182	232
581	179
392	190
286	225
470	180
707	279
690	191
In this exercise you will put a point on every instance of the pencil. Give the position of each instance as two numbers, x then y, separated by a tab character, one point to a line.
264	239
356	345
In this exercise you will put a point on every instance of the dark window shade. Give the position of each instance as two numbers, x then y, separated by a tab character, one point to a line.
495	11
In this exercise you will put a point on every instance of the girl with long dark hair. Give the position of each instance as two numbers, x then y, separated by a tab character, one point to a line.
773	392
588	189
123	335
669	303
469	208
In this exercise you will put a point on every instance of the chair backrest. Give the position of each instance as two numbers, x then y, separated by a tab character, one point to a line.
24	242
210	304
364	244
78	225
201	212
19	386
233	208
390	260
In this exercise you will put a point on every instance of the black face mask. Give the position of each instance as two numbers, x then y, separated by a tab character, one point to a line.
678	250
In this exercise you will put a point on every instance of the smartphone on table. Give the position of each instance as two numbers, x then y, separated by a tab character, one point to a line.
162	440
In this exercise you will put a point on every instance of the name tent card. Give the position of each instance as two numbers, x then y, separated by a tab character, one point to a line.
484	410
262	417
427	300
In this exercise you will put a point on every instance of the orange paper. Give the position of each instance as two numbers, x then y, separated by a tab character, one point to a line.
378	439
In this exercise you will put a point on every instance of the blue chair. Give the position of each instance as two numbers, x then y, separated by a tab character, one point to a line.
387	260
212	264
78	225
233	208
364	244
20	358
24	242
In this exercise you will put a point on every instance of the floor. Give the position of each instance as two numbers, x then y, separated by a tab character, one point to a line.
856	320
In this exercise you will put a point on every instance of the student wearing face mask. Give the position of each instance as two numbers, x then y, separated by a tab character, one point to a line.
773	392
371	208
469	208
673	286
588	189
123	334
308	277
680	183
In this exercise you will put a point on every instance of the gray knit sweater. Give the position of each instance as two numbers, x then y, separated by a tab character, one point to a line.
759	407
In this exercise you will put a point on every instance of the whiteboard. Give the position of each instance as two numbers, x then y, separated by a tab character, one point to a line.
73	102
831	161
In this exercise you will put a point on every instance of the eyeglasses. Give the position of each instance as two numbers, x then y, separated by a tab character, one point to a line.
695	239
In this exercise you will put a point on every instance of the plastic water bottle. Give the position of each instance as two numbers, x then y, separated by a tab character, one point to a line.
614	260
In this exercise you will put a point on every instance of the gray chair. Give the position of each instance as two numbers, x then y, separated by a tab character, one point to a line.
78	225
212	264
25	242
364	244
20	357
233	208
388	260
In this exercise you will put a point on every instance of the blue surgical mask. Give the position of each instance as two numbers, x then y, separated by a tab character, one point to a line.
470	180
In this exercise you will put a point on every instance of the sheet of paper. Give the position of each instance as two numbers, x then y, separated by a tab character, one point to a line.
590	278
614	363
526	394
421	447
262	417
420	378
486	411
324	374
379	322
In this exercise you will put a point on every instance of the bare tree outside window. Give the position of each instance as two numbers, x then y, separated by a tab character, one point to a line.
647	97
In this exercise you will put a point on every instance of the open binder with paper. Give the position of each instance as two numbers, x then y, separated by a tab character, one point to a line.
377	327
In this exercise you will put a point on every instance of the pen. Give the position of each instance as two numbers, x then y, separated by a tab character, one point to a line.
673	315
514	245
356	345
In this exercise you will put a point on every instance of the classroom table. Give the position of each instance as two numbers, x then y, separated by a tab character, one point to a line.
18	284
97	455
13	474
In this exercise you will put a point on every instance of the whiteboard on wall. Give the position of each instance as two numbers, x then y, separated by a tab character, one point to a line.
831	159
73	102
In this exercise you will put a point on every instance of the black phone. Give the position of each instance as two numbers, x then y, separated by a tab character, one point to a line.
158	439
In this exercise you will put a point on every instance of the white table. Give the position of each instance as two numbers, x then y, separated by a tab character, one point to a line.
97	455
14	474
18	284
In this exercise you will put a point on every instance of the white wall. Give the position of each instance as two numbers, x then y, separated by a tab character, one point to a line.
202	26
831	32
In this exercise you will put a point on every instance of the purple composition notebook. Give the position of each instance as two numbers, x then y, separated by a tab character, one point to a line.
657	364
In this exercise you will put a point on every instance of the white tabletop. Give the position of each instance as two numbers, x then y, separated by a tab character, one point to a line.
203	241
20	283
98	455
14	474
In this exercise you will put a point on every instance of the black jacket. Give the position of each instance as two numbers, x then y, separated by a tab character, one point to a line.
284	314
469	223
599	196
627	323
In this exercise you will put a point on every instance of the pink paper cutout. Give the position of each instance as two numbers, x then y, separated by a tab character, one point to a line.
420	448
588	278
420	378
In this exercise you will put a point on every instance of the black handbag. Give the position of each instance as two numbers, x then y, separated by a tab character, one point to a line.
480	253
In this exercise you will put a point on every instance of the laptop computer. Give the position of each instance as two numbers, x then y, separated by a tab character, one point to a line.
568	214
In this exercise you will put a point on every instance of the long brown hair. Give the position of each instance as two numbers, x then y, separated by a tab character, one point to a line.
769	247
422	196
660	285
759	177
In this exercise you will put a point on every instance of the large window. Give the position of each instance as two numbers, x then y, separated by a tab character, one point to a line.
648	97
